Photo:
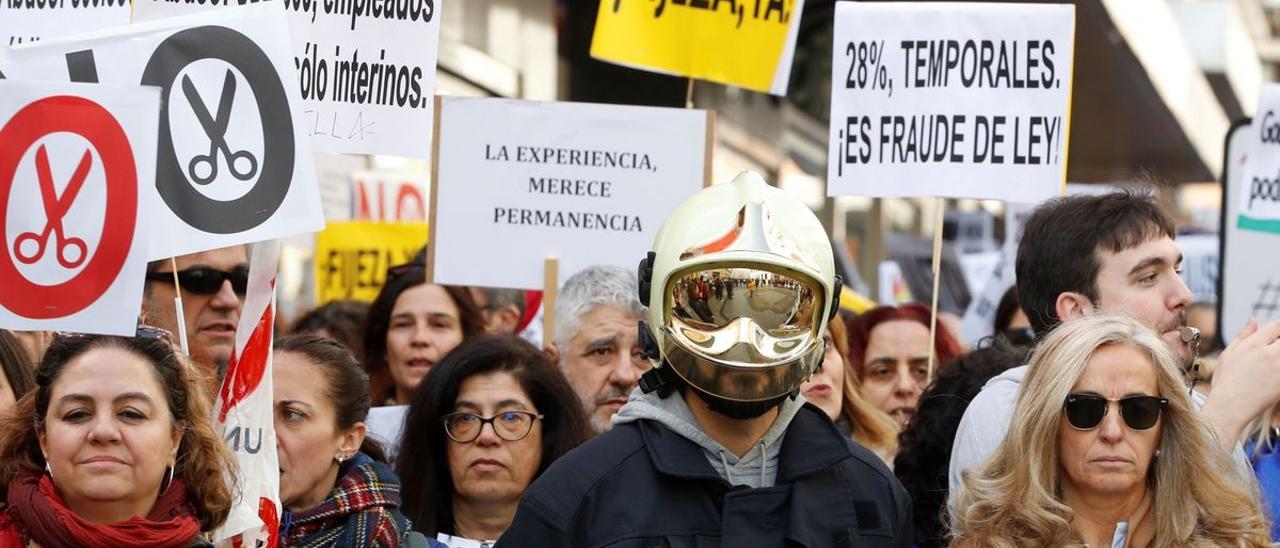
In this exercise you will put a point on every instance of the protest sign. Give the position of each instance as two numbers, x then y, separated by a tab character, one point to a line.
366	70
583	183
26	21
352	258
1249	283
1259	205
379	196
733	42
234	165
74	159
245	410
963	100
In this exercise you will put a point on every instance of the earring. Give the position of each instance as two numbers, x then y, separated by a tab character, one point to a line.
48	469
1157	452
168	478
339	458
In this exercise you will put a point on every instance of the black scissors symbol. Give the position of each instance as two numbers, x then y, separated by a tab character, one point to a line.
55	208
216	128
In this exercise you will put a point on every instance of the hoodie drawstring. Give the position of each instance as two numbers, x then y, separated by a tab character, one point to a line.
728	474
763	460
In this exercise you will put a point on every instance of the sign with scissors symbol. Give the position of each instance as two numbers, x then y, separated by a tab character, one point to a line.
55	208
76	261
216	128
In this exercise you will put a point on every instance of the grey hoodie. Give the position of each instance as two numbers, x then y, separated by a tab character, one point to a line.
759	468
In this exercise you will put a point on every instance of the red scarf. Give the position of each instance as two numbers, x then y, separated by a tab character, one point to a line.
35	505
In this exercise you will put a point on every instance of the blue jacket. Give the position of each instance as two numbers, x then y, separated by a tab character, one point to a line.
643	485
1266	465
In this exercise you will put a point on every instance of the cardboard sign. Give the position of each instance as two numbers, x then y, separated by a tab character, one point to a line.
234	165
1248	277
1259	203
379	196
352	258
519	182
244	413
738	43
74	160
26	21
962	100
367	70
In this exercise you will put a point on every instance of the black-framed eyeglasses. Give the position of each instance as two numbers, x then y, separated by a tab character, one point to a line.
203	280
464	427
1085	411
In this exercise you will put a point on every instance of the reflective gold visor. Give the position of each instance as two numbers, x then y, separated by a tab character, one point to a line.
744	316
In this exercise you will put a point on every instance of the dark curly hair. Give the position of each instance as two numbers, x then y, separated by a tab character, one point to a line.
924	447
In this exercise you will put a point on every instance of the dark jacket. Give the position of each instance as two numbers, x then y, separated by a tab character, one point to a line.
643	485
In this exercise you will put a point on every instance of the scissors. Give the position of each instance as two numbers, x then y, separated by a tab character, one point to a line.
55	209
216	128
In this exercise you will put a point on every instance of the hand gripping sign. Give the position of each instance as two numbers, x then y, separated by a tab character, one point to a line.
244	413
234	164
73	160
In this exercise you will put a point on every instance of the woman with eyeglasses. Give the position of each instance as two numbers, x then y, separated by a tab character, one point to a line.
889	351
410	327
486	422
115	447
334	484
1105	450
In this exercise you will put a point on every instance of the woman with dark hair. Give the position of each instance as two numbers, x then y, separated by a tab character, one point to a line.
485	423
342	321
19	372
334	486
889	351
411	326
924	448
1011	322
114	447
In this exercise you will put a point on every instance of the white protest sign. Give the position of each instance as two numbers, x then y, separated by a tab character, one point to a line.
74	160
25	21
384	196
519	182
963	100
1249	278
234	165
366	69
1259	204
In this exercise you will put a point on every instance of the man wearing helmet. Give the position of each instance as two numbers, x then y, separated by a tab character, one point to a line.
716	448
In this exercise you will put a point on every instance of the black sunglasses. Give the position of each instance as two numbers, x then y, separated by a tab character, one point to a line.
1085	411
203	280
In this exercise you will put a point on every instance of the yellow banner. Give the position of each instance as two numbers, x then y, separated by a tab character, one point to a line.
740	42
352	258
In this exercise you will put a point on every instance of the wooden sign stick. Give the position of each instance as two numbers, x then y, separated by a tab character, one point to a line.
940	205
550	285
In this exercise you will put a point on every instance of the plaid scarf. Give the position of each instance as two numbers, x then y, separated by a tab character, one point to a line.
363	509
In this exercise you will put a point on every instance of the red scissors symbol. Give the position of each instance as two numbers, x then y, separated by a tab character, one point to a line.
55	208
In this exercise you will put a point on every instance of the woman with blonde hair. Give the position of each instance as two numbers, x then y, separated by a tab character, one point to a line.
1105	450
835	389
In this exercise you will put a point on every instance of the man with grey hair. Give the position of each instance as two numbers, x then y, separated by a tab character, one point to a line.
595	339
503	308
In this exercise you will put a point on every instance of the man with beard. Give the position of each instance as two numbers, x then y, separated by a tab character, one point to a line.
213	287
1115	253
595	339
717	448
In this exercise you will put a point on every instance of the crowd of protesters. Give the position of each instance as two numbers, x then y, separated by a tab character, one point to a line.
1080	421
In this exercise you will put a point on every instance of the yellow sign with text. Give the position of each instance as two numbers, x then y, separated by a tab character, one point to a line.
352	258
747	43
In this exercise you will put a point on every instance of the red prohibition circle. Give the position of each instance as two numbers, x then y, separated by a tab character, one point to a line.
89	120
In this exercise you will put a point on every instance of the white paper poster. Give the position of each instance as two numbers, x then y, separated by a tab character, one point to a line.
964	100
520	182
26	21
386	196
366	69
1249	277
74	162
234	165
1259	203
